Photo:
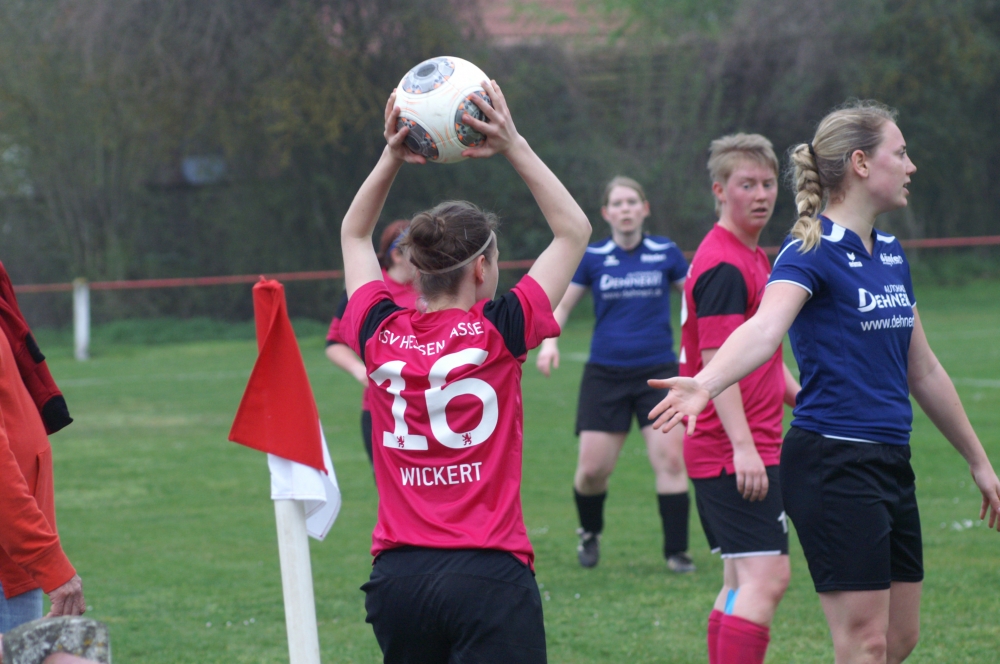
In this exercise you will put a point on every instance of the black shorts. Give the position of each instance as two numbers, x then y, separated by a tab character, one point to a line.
736	527
854	507
430	606
366	433
609	396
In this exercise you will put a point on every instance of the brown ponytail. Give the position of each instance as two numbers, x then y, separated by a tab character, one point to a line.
441	239
819	169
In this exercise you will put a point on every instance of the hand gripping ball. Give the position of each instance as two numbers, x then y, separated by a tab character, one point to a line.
432	98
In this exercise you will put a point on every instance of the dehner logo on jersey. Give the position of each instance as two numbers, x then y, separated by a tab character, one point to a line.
653	258
891	259
610	261
649	279
895	297
852	262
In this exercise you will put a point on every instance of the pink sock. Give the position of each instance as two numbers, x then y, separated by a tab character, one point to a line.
742	642
714	623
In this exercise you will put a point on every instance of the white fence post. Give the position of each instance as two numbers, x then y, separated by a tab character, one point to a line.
81	319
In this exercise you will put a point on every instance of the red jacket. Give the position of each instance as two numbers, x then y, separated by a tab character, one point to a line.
30	406
30	553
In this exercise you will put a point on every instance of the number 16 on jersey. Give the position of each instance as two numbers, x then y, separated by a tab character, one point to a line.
436	399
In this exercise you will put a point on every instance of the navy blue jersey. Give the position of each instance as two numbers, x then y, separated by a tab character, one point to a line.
632	300
852	337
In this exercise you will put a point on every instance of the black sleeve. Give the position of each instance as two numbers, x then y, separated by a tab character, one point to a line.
507	317
376	315
341	308
720	291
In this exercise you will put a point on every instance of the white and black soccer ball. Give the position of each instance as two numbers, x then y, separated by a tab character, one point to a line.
432	98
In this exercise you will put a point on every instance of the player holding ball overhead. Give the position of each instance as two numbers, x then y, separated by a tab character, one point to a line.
630	274
398	274
452	579
732	457
842	290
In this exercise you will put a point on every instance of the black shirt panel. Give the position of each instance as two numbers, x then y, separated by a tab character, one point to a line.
507	316
720	291
376	316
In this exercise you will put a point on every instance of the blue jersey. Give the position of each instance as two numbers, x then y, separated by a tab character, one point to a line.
852	337
632	300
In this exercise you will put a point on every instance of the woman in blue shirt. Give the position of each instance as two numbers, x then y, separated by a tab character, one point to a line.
631	274
842	291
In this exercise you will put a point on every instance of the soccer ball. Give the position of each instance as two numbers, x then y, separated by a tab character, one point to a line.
432	98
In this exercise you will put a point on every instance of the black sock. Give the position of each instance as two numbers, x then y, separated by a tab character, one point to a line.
591	511
674	508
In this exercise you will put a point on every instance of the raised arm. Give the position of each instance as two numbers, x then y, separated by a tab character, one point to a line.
933	389
548	354
555	266
360	262
747	348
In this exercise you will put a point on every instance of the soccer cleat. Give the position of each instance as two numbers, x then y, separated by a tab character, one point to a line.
681	563
588	551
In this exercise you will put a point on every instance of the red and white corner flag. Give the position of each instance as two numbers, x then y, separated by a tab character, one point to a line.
278	415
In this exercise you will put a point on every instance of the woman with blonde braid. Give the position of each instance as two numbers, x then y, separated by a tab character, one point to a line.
842	291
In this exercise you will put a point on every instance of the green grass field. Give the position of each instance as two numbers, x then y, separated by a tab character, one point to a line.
172	529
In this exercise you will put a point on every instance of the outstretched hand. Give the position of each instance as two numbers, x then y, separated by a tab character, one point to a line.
395	138
500	132
986	479
687	398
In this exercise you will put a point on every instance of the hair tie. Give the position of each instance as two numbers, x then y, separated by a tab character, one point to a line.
812	151
399	238
466	261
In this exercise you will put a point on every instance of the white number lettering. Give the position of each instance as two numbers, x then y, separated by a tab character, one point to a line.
401	437
438	397
440	394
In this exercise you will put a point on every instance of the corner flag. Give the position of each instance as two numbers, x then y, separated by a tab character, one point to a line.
278	415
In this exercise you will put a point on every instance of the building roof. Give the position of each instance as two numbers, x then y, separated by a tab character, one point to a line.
514	22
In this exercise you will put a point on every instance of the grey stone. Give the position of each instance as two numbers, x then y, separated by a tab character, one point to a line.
32	642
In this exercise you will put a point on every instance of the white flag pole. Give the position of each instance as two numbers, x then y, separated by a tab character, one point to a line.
297	582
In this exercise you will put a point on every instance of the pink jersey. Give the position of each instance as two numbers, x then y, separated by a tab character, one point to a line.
405	295
724	287
447	417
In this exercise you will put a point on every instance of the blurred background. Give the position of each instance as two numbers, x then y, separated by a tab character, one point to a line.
148	139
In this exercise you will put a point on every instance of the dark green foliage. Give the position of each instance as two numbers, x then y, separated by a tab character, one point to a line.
101	100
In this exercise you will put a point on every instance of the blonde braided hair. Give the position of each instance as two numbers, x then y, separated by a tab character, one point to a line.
819	169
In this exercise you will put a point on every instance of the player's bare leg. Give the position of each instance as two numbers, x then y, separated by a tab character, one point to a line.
761	582
729	583
599	452
666	456
859	623
752	588
904	620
